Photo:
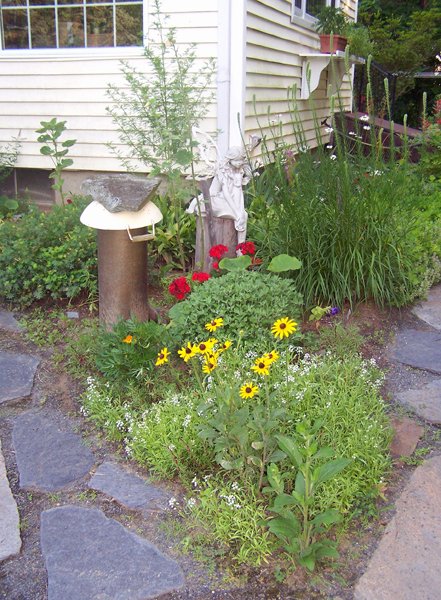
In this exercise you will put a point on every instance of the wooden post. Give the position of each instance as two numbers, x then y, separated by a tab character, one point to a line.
211	231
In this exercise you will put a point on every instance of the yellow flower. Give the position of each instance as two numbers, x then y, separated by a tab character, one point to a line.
283	327
207	346
162	357
128	339
210	362
187	352
225	345
261	366
248	390
271	357
214	324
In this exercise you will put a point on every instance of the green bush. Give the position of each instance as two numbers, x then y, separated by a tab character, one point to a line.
128	352
248	301
47	254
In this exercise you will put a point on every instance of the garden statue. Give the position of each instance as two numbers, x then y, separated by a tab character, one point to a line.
221	204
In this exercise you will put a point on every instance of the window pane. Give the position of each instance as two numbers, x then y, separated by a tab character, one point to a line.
100	26
70	28
41	2
70	2
129	25
15	27
298	4
313	7
43	28
98	1
14	3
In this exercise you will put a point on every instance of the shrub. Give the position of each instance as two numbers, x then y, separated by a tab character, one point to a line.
47	254
248	301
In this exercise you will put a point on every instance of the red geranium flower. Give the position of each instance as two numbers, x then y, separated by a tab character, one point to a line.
215	266
246	248
179	288
218	251
201	277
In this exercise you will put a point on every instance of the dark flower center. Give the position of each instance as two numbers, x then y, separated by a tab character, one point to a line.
188	350
248	390
261	365
282	325
161	356
202	346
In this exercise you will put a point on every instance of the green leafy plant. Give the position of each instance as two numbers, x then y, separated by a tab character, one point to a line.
249	301
57	150
331	20
8	157
296	526
47	254
155	113
8	206
127	352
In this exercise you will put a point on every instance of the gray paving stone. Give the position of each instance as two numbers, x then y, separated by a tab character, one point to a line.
407	562
10	541
89	556
48	459
8	322
425	402
17	372
430	310
418	349
127	488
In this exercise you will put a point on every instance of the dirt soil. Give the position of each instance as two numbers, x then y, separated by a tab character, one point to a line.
24	577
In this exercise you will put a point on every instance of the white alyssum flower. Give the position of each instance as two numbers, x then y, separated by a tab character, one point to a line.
367	127
333	157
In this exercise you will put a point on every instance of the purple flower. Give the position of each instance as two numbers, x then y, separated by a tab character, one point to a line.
333	311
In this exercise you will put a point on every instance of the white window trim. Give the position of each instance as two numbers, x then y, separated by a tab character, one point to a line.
299	16
81	53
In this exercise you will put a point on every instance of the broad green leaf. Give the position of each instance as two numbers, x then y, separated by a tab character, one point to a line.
282	501
284	262
254	460
290	448
68	143
176	311
330	469
277	456
240	263
45	150
300	484
275	478
308	562
327	551
329	517
257	445
285	527
323	453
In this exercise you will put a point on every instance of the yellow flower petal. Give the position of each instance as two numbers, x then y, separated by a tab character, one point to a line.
214	324
162	357
248	390
283	327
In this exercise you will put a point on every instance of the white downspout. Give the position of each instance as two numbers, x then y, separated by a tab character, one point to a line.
231	72
238	70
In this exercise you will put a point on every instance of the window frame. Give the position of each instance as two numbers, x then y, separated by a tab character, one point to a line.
62	51
300	16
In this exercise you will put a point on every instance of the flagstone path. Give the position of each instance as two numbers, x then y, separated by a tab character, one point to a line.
88	554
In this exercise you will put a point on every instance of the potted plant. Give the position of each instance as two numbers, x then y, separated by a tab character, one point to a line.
332	25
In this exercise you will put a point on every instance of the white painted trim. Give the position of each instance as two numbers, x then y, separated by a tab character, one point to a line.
238	70
223	74
59	54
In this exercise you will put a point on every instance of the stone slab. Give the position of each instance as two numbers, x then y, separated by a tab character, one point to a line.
17	372
430	310
418	349
407	562
90	556
8	322
127	488
425	402
120	192
407	434
10	541
48	459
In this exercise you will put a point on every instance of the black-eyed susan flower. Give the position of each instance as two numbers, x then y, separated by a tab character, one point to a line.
210	362
261	366
187	352
214	324
128	339
283	327
225	345
271	357
162	357
206	346
248	390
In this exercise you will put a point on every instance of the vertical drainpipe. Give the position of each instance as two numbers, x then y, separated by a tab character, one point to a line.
230	72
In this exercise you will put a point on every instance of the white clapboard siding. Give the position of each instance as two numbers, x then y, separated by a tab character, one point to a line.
273	65
71	85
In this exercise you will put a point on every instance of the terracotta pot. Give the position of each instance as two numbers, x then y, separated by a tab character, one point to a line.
338	43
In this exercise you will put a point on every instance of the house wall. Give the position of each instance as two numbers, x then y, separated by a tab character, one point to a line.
273	65
71	85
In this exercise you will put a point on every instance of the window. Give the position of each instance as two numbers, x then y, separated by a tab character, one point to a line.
38	24
309	9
